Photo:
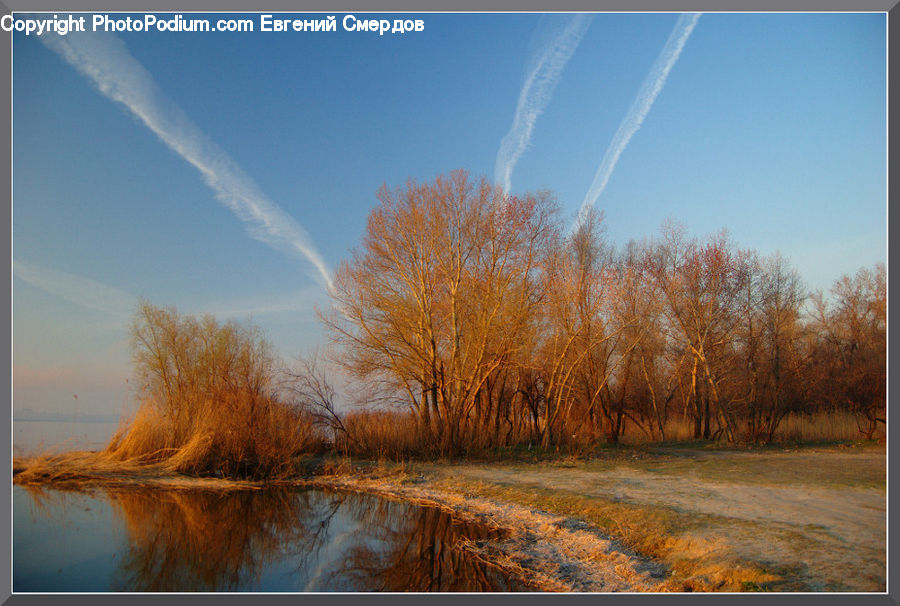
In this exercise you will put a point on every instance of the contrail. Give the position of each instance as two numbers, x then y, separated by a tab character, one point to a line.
104	59
112	301
77	289
543	76
640	107
263	305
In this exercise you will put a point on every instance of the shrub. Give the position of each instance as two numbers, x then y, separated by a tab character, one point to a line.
208	399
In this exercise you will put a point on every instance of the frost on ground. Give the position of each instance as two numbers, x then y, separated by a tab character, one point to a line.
547	552
833	536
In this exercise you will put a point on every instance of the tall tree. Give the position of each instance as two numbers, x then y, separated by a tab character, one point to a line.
442	294
701	285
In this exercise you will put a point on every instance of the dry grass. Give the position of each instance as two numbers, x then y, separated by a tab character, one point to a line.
398	435
254	440
211	444
382	435
823	426
73	468
80	470
692	563
678	429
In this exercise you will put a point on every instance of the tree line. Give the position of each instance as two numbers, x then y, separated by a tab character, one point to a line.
486	323
494	324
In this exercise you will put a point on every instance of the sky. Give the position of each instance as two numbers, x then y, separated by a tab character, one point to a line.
231	173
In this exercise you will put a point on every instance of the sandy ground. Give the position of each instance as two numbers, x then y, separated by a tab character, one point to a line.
833	535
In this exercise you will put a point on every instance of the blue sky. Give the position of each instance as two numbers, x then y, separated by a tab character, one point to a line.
769	125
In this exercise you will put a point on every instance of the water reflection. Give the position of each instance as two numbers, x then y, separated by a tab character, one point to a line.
274	540
202	540
416	552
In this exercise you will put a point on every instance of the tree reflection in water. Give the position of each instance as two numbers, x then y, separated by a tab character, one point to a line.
414	551
291	540
198	540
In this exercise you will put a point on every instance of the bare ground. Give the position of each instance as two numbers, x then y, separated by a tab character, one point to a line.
816	516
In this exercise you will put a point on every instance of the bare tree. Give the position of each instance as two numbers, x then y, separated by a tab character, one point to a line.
308	386
441	294
472	308
851	349
701	285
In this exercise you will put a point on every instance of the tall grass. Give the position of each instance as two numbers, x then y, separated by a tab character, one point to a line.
213	443
838	425
398	435
821	426
382	434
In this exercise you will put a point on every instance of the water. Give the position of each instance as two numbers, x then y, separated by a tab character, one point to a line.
34	436
288	540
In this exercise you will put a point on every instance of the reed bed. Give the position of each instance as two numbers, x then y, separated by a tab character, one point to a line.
247	440
398	435
821	426
279	445
264	441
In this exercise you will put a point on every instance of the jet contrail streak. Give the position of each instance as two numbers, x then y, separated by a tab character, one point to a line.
119	304
77	289
543	76
640	107
105	60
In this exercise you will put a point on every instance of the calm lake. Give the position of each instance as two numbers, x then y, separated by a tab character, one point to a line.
36	436
288	540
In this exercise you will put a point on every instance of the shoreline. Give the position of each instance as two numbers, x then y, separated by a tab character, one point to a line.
677	521
553	552
548	552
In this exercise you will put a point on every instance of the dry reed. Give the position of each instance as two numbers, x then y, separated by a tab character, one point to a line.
398	435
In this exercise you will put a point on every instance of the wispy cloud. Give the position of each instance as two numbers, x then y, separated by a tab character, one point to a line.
120	305
542	76
301	300
82	291
105	60
641	105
